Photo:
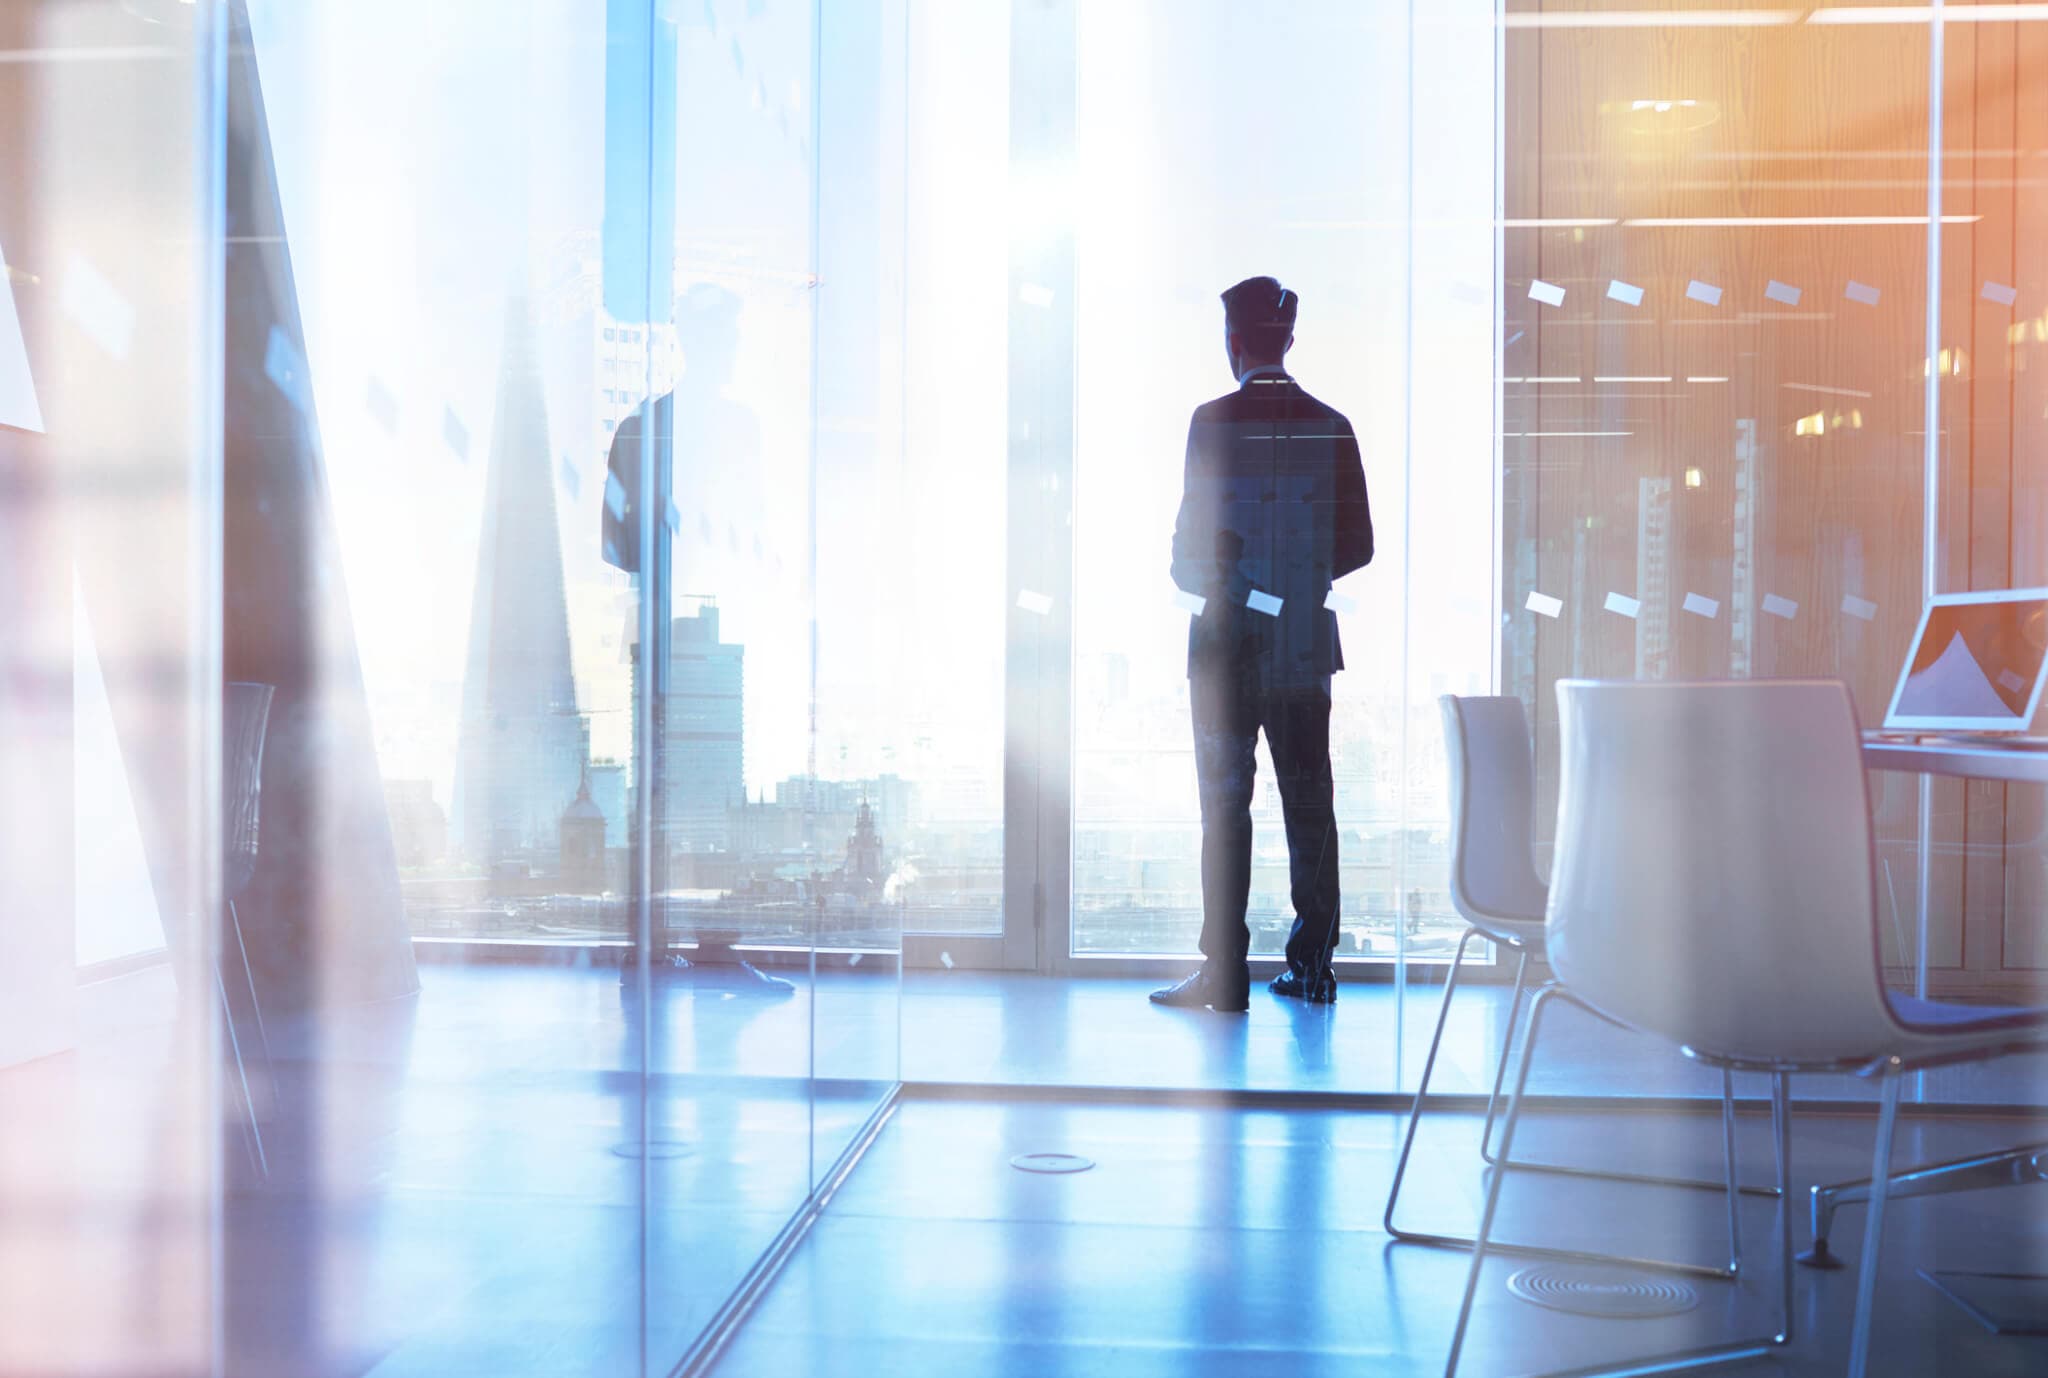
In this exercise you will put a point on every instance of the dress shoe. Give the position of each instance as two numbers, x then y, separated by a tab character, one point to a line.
753	979
1321	991
1199	992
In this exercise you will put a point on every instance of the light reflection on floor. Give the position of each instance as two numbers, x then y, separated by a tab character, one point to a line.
447	1191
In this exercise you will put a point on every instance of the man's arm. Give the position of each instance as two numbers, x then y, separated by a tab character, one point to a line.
619	526
1194	529
1354	511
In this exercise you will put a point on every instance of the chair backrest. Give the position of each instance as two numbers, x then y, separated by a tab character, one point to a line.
1493	816
1712	881
245	719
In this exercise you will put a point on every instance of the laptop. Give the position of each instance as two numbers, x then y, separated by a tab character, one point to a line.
1976	666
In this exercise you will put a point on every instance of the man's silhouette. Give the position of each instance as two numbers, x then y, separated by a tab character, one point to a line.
1273	511
709	509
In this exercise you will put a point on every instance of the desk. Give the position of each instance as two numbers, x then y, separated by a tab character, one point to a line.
1958	758
1975	761
1971	760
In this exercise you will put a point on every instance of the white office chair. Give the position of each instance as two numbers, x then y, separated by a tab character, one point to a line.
1496	889
1713	886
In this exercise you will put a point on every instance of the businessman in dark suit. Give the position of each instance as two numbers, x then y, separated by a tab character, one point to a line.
1273	511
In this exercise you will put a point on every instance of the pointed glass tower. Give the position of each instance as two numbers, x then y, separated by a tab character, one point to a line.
523	747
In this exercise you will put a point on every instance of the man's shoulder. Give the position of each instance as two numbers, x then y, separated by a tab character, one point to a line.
1316	406
1261	403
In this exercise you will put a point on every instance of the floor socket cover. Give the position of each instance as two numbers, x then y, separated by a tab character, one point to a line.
1051	1162
1615	1293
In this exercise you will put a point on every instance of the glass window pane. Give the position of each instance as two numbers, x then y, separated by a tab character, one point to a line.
1291	174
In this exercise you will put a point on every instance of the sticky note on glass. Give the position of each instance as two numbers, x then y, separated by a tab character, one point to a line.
1860	292
1549	293
1628	294
1337	602
1783	292
383	405
1543	605
1192	602
1780	607
2000	293
1040	603
285	367
1623	604
1266	603
455	433
1700	606
98	307
1859	607
1704	292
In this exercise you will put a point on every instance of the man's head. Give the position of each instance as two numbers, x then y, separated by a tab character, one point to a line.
1258	323
708	330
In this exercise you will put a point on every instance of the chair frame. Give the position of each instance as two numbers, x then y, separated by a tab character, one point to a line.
1913	1047
1504	936
1730	1186
1781	1124
2010	1167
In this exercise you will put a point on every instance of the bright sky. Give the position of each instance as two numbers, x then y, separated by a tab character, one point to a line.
435	159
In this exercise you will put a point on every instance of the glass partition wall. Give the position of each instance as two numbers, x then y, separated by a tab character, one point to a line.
554	548
1765	349
456	853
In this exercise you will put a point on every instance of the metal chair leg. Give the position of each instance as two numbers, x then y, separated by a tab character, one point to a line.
1687	1359
1728	1162
249	975
252	1133
1781	1125
1455	1241
2006	1168
1537	1006
1873	1233
1500	1069
256	1011
1601	1174
1422	1091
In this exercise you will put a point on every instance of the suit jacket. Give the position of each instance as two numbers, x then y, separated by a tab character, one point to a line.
620	534
1273	505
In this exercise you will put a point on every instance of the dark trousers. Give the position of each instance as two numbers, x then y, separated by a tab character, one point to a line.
1229	713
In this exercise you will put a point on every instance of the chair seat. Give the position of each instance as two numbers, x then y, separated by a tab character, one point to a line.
1523	935
1938	1030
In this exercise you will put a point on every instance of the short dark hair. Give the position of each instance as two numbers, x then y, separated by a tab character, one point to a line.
1260	312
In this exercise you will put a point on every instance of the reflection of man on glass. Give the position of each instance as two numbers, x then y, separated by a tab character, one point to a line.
708	521
1273	511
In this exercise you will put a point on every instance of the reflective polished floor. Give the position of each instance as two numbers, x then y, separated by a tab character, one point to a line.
1043	1031
1225	1241
447	1192
453	1184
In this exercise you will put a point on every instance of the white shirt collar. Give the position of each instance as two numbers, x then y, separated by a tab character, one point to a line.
1261	371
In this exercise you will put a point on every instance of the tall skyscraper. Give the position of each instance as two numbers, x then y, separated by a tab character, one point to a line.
705	754
523	746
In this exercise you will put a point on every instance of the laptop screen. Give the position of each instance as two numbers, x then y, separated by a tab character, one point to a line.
1976	665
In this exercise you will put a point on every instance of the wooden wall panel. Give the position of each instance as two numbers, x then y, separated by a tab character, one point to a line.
1799	478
